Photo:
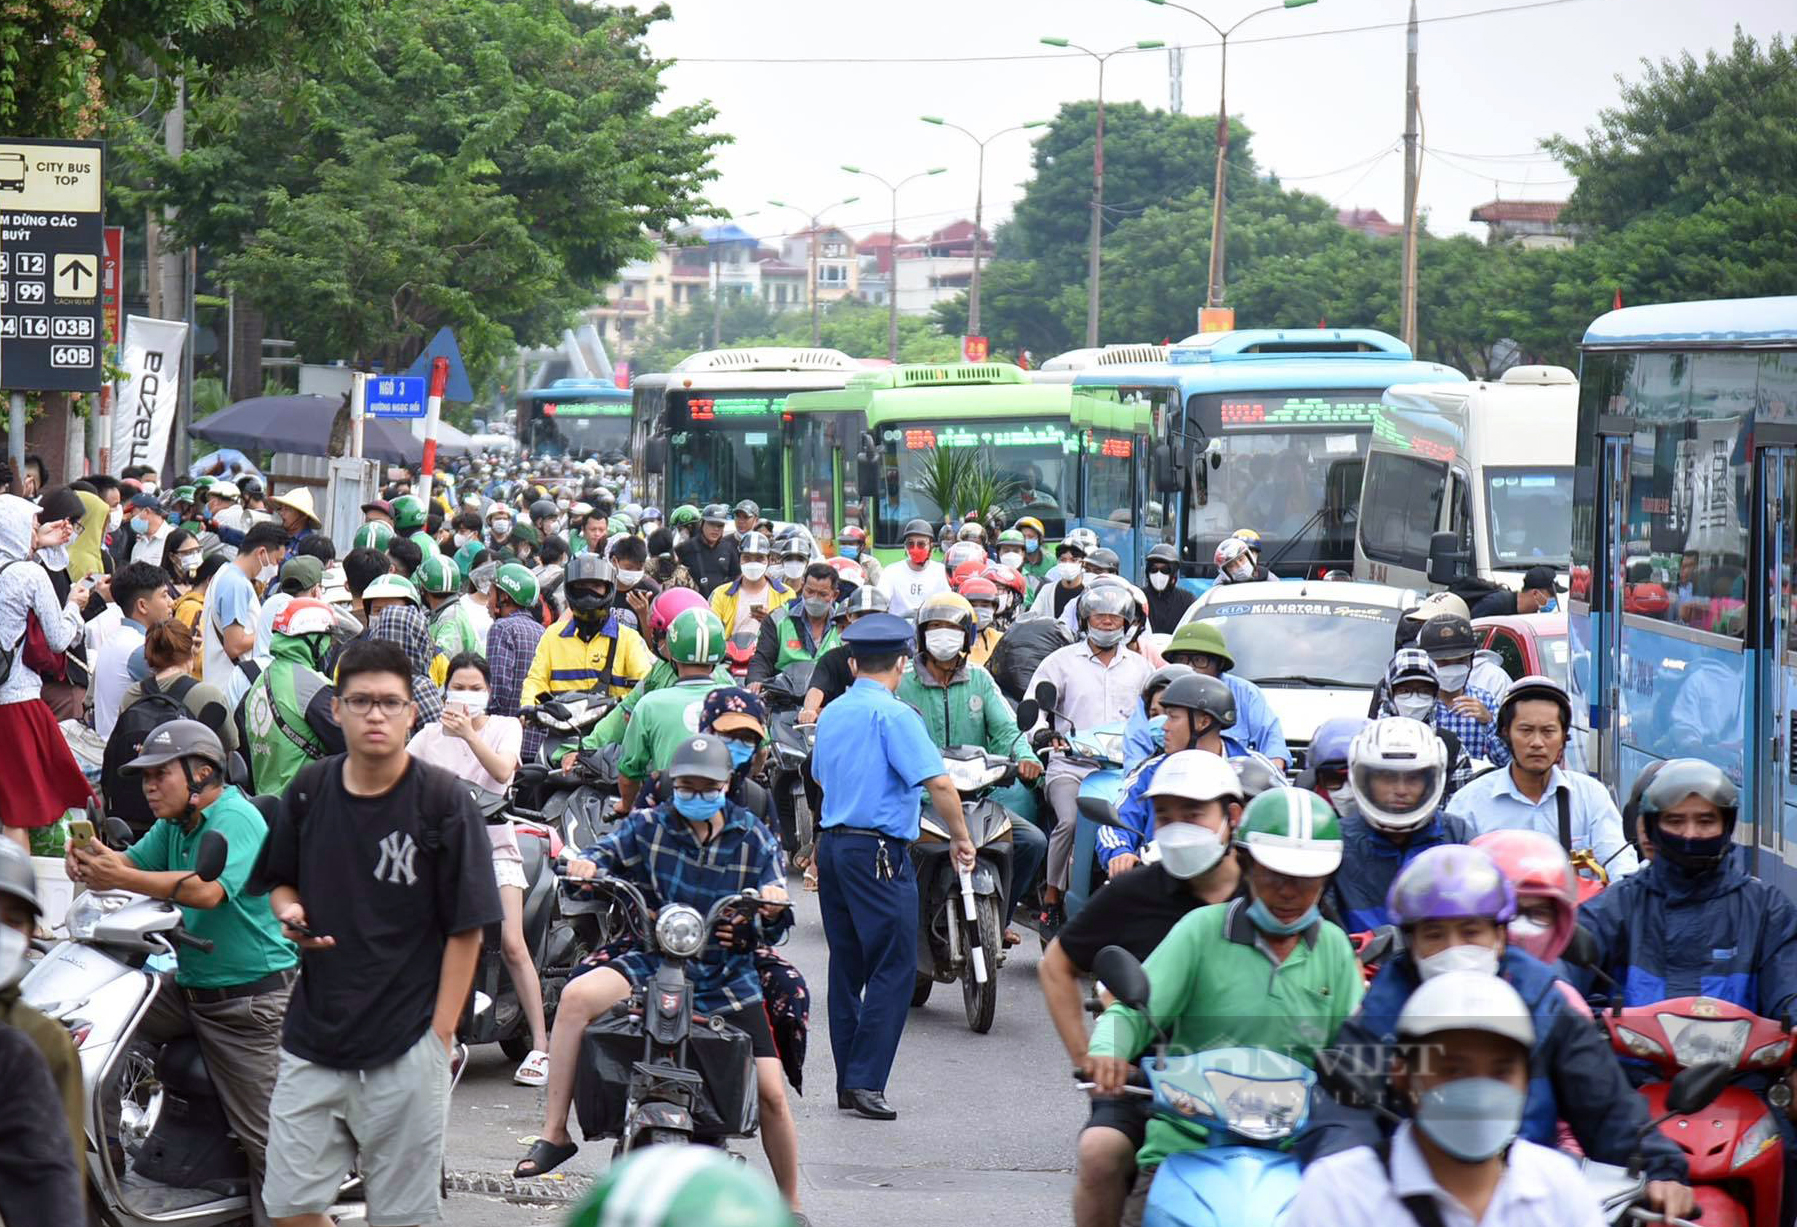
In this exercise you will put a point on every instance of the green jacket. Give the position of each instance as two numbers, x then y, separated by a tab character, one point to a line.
52	1039
1213	980
279	747
969	711
452	633
611	727
663	720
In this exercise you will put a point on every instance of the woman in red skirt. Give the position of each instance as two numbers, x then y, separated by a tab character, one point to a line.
40	780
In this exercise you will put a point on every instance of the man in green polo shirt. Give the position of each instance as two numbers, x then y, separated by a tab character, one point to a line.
801	630
233	997
668	717
1267	973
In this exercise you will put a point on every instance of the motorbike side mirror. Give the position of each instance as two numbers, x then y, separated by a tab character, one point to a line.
1100	811
1046	696
1384	942
1028	712
1581	951
1694	1088
118	832
215	850
531	773
1123	975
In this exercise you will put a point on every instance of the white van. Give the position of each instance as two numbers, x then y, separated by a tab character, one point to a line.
1490	462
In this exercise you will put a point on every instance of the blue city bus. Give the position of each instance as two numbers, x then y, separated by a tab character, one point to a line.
1265	429
576	417
1685	490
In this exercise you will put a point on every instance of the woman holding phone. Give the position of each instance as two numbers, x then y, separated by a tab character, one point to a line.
483	750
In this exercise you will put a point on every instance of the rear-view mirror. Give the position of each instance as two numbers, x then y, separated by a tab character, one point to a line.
1098	810
1581	951
1047	696
118	833
1447	561
655	455
214	852
1028	712
1123	976
1166	469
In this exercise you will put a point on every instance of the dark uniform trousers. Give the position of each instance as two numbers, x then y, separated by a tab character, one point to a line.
870	923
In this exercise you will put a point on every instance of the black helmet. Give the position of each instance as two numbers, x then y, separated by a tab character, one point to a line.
707	757
17	878
1164	552
919	528
177	739
715	513
1677	779
748	507
1447	637
1202	693
865	599
587	568
543	509
1159	679
1104	560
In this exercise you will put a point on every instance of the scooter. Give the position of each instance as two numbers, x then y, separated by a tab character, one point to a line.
960	933
579	807
1247	1104
793	744
177	1159
651	1072
739	650
1100	791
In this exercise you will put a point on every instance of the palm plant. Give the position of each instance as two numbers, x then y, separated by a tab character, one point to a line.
984	491
943	477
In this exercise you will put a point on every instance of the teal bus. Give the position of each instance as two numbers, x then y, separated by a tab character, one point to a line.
578	418
1263	429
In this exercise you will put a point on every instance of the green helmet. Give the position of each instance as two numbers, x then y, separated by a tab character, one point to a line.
1292	831
620	525
391	586
408	513
685	1185
464	555
200	484
695	637
1200	636
685	516
374	535
425	542
1011	536
518	584
438	575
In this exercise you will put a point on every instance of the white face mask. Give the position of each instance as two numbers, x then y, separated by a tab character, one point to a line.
1459	958
55	557
1011	558
114	518
1064	571
266	573
794	568
462	539
1239	572
629	579
475	701
1416	706
1453	677
500	527
944	645
1189	854
753	571
190	562
1158	580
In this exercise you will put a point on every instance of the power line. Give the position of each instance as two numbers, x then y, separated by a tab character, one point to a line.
1064	55
1355	186
1493	179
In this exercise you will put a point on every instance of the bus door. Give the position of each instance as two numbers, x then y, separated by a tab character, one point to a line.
1772	671
1604	648
821	470
1113	496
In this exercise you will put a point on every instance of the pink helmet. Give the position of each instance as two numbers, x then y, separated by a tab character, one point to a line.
663	609
1538	869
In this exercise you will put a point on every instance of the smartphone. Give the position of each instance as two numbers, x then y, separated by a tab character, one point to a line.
301	929
81	832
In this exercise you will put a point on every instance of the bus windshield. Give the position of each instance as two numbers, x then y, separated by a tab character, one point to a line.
1530	515
581	428
1036	458
725	447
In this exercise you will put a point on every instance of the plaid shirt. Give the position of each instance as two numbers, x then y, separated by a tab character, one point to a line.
511	645
655	850
1477	738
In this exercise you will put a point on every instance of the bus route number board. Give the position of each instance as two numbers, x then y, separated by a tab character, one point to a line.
1297	411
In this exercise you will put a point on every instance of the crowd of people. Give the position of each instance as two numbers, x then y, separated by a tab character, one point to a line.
181	650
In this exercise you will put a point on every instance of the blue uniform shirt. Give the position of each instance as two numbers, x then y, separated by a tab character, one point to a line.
872	753
1256	727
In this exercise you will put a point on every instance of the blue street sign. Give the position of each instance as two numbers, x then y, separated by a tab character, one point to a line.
395	396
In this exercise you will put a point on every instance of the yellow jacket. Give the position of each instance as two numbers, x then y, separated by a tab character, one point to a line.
723	600
983	645
615	658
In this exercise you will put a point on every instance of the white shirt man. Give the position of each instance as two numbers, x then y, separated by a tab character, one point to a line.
907	585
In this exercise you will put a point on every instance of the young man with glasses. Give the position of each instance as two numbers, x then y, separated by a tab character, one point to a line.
381	871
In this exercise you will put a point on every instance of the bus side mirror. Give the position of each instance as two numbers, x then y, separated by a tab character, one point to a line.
1166	469
1447	561
867	465
655	454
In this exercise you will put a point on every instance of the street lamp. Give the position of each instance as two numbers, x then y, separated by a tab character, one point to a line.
1147	44
979	197
1213	296
812	287
892	251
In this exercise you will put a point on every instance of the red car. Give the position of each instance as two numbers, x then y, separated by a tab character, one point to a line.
1526	643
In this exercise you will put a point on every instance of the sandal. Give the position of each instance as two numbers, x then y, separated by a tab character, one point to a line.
811	877
533	1070
544	1157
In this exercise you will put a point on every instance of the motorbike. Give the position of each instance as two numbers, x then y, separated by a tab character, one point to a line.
1374	947
580	807
1100	792
740	650
493	1015
651	1072
960	932
177	1159
1247	1104
792	746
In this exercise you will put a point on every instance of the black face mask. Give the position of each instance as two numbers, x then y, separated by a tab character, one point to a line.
1696	857
587	603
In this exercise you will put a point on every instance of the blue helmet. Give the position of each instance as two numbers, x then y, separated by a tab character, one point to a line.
1329	744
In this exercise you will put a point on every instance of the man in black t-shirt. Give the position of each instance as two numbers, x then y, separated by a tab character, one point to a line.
381	871
709	556
1197	801
830	676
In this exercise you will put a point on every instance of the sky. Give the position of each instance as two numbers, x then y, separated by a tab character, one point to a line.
1326	109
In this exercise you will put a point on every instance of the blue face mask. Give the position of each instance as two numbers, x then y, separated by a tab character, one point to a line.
1266	922
139	524
1157	729
1552	606
740	751
1471	1118
849	551
700	806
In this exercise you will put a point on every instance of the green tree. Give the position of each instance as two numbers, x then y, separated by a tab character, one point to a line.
1688	134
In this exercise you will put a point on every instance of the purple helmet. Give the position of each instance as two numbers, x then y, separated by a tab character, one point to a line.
1329	744
1450	882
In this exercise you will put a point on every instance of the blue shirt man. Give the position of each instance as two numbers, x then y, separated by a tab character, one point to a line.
1492	802
872	755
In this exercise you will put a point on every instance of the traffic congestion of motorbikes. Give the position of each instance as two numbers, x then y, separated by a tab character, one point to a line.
1399	958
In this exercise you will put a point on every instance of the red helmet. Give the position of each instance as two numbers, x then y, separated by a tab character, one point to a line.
670	603
966	571
1537	867
305	616
848	572
978	588
1006	577
852	532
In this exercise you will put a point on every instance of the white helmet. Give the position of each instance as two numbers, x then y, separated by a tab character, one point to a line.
1197	775
1082	539
1233	552
1466	1001
1397	746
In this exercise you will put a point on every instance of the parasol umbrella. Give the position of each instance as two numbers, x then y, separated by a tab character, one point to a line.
308	426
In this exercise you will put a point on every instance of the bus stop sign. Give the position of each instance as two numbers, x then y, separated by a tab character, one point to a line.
51	241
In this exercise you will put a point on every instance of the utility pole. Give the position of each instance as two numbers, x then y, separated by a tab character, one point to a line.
1407	318
815	218
892	249
979	206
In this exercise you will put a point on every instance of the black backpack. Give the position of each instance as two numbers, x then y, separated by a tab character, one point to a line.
125	794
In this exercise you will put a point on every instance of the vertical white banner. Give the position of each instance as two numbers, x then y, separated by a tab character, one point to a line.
150	393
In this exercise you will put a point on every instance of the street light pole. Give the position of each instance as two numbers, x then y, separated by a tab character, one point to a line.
1097	235
979	204
816	218
1213	296
892	250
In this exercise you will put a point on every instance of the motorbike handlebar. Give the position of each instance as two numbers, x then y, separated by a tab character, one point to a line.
182	937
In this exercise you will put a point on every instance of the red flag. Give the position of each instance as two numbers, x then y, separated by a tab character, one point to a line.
1616	305
1323	322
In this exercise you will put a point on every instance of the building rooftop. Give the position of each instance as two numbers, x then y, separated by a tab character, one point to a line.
1369	222
1547	211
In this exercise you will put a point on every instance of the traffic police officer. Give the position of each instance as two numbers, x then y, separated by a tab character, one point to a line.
872	754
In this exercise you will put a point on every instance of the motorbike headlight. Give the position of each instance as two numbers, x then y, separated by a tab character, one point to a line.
1259	1108
89	909
1699	1040
1770	1054
1638	1044
1110	745
1183	1101
1761	1136
965	774
680	931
